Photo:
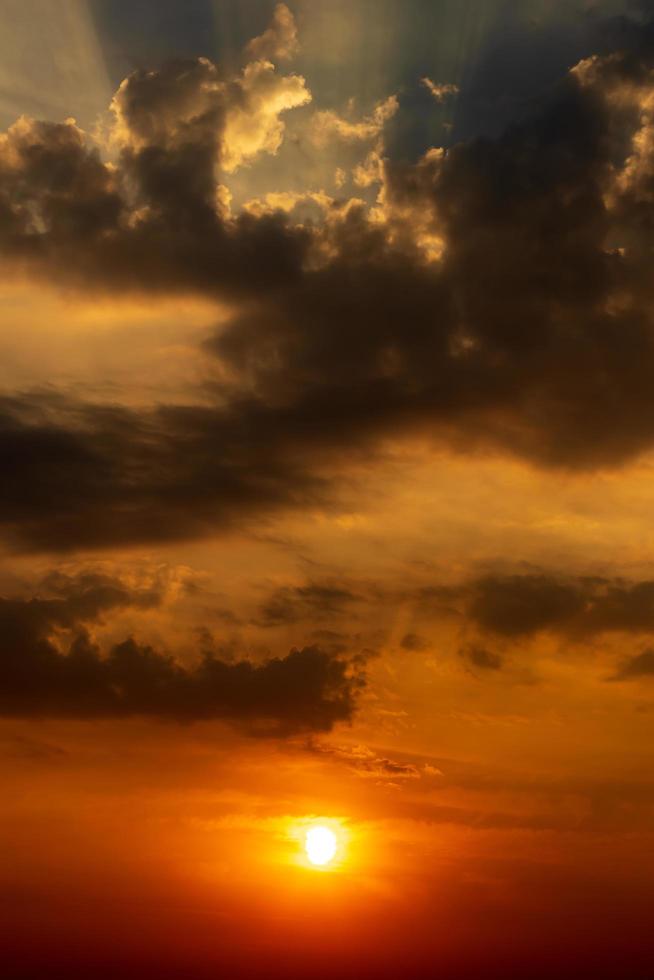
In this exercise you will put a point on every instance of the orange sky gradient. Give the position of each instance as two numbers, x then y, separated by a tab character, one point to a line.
327	434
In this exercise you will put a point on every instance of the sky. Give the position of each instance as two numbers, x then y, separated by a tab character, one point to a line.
327	440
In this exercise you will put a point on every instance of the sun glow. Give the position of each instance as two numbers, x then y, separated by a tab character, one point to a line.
320	844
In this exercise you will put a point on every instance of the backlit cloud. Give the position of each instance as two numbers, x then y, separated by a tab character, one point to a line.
495	296
279	41
327	125
51	667
440	90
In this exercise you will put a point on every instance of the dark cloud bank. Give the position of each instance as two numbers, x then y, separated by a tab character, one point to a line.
504	609
511	606
50	667
582	607
531	335
579	609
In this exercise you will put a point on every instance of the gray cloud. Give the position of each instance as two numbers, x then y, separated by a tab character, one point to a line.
641	665
531	334
50	667
481	657
520	605
413	641
312	601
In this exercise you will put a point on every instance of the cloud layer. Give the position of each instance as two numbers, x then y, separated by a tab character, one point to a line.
50	666
497	295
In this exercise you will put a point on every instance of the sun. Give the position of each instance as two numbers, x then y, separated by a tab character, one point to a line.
320	844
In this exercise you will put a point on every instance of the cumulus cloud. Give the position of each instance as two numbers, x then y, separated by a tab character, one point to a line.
187	107
327	125
180	104
279	42
53	185
155	220
253	124
51	667
498	295
440	90
371	170
315	202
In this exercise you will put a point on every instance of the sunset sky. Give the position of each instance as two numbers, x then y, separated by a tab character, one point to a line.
327	441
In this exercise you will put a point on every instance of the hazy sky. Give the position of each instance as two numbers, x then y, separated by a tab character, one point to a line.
327	429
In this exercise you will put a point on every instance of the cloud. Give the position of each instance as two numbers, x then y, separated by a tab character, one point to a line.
516	606
481	657
88	593
187	114
641	665
53	183
440	90
313	601
327	125
495	296
521	605
182	103
51	667
253	123
155	219
413	641
365	763
279	42
85	475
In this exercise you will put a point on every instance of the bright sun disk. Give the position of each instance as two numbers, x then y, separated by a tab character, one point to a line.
320	845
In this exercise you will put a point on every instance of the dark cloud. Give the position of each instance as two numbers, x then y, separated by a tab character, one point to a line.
50	667
84	475
532	334
413	641
313	601
152	221
642	665
88	594
520	605
481	657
